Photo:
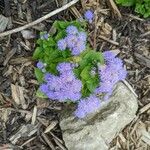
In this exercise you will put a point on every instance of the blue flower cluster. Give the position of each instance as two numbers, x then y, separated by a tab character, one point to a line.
63	87
41	66
66	86
89	15
110	74
87	105
75	41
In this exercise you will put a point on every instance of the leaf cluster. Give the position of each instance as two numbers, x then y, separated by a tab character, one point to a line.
90	60
141	6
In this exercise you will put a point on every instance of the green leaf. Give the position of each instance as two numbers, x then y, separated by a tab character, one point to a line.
39	75
60	35
37	53
94	56
91	58
77	72
85	74
85	91
52	68
40	42
51	42
61	24
92	83
52	56
126	2
66	53
48	51
40	94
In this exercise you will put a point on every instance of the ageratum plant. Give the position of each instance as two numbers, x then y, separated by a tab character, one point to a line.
69	70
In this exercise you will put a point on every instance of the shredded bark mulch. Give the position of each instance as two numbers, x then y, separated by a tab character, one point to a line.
27	122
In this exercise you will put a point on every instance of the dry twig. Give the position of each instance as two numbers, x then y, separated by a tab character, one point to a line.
145	34
40	19
115	9
108	40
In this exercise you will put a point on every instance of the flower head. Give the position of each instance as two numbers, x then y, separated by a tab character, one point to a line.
40	65
62	45
71	30
44	88
110	74
44	36
63	67
89	15
82	36
87	106
78	48
71	41
62	87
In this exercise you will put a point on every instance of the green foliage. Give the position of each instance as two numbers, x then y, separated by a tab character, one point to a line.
88	62
126	2
48	53
39	75
141	6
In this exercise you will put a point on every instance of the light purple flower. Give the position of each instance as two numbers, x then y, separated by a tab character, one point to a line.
89	15
108	55
61	44
110	73
40	65
82	36
44	36
44	88
87	106
63	87
78	48
71	30
71	41
47	77
63	67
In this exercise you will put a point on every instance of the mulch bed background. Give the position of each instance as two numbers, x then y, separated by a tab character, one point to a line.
27	122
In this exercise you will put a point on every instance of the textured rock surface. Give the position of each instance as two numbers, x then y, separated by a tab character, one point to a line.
96	131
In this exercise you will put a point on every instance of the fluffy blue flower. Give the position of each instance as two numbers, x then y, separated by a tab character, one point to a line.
47	77
109	55
87	106
44	88
110	73
78	48
89	15
63	87
71	40
61	44
82	36
71	30
40	65
63	67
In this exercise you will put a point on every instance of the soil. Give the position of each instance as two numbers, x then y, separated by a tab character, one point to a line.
21	111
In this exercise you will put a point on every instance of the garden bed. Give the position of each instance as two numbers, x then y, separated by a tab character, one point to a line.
28	122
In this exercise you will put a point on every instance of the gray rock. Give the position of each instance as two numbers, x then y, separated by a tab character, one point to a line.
97	130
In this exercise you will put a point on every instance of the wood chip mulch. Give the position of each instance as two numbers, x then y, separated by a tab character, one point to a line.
30	123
